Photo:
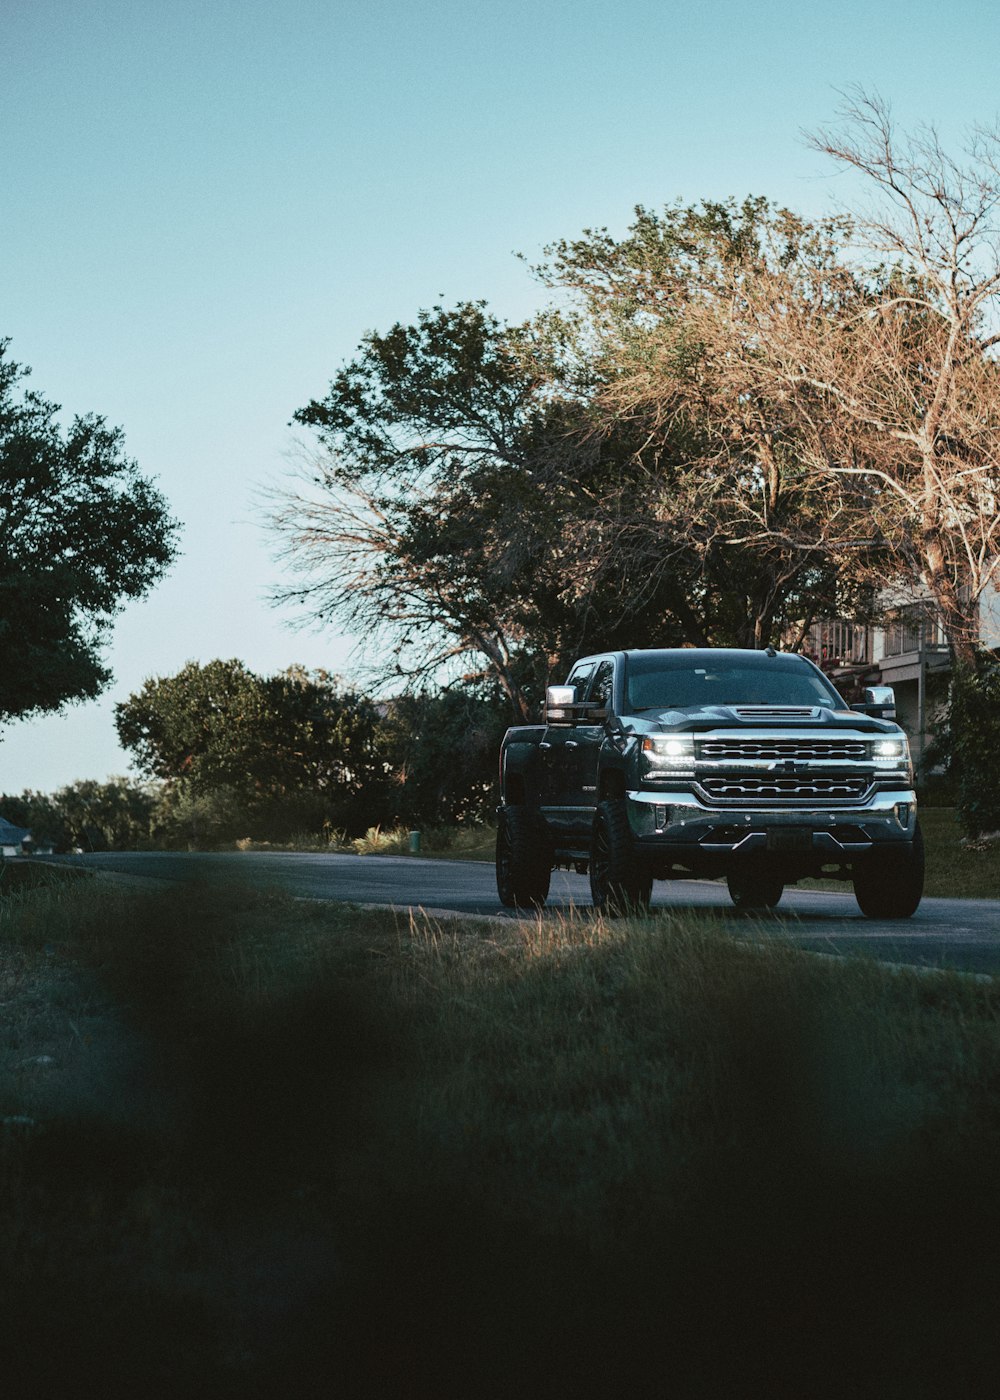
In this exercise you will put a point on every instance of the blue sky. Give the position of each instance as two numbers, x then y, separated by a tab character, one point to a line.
205	205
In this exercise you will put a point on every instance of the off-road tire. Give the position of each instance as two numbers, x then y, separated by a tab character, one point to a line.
754	891
524	860
618	884
891	883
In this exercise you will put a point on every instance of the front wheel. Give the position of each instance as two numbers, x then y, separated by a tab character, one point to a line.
890	885
754	891
618	884
524	866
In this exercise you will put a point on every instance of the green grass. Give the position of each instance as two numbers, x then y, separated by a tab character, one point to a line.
20	875
956	870
350	1154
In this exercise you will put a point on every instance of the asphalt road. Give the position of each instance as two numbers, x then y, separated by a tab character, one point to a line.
955	933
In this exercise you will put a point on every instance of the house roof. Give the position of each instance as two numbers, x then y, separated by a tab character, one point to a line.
11	835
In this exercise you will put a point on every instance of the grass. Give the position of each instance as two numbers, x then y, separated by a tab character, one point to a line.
956	870
19	875
448	842
343	1153
444	842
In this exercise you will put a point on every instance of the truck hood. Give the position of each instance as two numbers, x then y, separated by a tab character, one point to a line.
698	718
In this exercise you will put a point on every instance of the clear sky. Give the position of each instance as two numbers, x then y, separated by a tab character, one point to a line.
204	204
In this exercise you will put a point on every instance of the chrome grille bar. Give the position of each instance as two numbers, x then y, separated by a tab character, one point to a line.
805	748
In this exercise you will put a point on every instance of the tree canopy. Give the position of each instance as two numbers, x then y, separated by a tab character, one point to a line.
81	531
113	815
270	755
505	497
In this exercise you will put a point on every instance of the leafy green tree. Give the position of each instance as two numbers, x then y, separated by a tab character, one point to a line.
274	754
442	750
111	816
81	531
188	818
40	814
968	742
419	519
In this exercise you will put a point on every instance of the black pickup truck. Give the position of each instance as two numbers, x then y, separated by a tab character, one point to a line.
746	765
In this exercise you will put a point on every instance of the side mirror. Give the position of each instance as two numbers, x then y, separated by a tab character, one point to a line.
879	702
559	702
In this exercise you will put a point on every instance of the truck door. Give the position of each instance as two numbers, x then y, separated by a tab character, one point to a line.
590	738
561	774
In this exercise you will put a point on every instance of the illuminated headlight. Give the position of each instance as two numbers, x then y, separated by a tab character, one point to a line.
890	752
668	751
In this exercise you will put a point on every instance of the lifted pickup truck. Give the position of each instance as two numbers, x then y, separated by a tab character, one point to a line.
742	764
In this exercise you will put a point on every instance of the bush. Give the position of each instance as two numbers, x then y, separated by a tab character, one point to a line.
969	742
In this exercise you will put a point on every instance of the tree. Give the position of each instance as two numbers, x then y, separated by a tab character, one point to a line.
441	749
111	816
81	531
38	813
731	505
416	522
477	498
891	381
114	815
246	755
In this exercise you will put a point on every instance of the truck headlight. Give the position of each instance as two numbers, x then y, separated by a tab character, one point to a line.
668	752
891	753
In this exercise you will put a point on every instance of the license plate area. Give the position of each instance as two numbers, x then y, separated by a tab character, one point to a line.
789	838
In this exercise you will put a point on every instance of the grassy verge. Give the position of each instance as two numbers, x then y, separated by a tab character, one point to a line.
954	869
337	1153
450	842
19	875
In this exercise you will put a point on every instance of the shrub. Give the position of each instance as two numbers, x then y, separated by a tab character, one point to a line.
969	742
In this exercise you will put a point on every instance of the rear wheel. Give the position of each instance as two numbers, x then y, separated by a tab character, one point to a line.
890	885
524	864
618	884
754	891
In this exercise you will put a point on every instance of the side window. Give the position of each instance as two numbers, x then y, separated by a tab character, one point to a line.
579	676
602	686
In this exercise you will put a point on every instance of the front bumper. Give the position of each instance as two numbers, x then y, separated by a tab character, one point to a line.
677	825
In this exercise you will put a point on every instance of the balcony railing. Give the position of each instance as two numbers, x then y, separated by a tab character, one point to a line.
839	643
912	631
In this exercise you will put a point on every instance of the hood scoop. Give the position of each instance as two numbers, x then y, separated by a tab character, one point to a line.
776	712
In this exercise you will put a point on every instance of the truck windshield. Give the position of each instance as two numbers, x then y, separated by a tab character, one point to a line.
660	681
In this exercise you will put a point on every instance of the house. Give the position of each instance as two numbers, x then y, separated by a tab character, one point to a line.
13	838
908	651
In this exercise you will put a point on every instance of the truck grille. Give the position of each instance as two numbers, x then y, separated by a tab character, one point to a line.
804	748
793	788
